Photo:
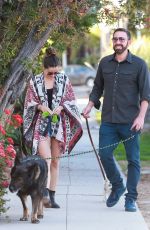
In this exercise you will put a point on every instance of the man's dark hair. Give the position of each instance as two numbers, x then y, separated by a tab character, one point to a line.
123	30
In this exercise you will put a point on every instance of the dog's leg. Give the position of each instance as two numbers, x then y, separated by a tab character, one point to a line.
40	210
35	204
25	209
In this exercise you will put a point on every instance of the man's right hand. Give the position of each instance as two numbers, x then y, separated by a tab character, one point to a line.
86	111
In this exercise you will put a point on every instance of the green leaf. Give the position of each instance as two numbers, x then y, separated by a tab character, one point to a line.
45	114
55	118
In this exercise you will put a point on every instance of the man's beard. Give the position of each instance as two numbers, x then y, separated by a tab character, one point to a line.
120	51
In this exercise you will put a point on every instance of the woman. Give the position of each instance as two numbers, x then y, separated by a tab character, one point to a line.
51	92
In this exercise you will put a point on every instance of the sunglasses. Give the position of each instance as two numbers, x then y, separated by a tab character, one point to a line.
121	39
52	73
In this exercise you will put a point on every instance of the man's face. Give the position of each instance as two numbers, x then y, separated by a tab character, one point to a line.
120	42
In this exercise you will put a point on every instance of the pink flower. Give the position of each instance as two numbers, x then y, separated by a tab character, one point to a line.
9	148
7	111
17	118
3	132
12	154
2	153
1	144
9	122
5	184
10	140
10	151
8	163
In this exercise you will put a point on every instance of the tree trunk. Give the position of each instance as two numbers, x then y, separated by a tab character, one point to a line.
18	76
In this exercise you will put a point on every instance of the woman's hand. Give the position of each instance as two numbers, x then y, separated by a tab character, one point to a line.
44	108
58	110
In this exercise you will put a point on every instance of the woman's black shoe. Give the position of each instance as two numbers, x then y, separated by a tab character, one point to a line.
52	199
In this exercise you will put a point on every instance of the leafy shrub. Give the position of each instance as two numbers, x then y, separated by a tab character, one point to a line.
9	138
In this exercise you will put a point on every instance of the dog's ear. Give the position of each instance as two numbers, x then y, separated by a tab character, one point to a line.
34	171
19	156
17	160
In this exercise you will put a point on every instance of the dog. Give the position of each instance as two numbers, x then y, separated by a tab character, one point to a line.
29	177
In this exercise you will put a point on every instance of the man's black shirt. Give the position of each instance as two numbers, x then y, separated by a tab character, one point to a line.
124	85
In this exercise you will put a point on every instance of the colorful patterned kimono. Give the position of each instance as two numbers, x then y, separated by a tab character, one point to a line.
68	129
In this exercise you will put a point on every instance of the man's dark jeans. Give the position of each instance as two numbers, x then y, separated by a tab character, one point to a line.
109	134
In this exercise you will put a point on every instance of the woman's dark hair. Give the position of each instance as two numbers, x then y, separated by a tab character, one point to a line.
123	30
50	59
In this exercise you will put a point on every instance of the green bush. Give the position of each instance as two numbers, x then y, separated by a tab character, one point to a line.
144	149
141	48
9	137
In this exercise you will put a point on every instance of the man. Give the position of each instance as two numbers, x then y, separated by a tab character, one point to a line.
123	79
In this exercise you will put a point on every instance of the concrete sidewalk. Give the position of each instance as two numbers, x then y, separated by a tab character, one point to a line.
80	194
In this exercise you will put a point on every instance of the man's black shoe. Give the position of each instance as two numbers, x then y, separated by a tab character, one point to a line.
115	196
130	205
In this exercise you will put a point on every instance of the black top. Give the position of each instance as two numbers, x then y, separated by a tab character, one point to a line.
124	85
49	95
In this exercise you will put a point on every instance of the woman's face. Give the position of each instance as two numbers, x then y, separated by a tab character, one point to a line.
50	72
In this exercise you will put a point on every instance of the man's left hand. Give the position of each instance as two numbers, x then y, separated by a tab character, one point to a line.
138	124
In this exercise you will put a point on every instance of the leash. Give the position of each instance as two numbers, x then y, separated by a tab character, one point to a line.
107	185
84	152
95	151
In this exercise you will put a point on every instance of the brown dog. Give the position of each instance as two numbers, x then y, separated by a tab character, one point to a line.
29	177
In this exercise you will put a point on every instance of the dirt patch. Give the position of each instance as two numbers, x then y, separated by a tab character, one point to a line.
144	195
